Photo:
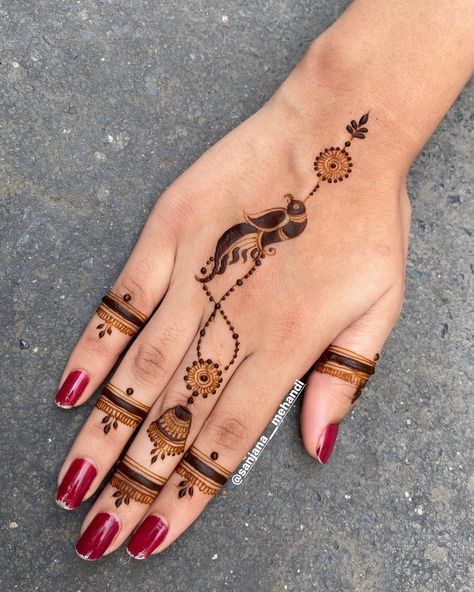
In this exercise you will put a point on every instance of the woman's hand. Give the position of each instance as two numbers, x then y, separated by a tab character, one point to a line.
242	300
308	261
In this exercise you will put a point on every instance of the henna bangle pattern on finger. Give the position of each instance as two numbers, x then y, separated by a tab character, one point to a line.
201	471
116	312
135	482
169	432
251	241
348	366
119	406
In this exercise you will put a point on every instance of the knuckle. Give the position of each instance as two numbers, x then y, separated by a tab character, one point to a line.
229	433
175	206
149	362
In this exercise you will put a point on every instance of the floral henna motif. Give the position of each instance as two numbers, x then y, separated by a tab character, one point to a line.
333	165
203	378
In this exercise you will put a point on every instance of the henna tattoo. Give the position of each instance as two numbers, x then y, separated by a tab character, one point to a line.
255	235
116	312
203	377
201	471
169	432
134	482
348	366
251	240
119	406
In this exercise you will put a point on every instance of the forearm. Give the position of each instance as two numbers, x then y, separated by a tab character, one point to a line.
406	61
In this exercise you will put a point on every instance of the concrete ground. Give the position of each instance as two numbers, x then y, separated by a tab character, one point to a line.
102	104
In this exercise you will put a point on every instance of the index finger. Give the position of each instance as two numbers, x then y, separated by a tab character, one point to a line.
124	310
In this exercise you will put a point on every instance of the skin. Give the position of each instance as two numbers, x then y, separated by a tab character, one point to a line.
340	282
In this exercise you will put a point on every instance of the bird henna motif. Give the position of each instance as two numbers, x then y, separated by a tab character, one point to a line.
252	240
249	242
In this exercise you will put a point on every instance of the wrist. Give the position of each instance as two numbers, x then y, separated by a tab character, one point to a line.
367	62
332	85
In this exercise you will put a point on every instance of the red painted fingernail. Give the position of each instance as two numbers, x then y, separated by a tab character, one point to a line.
97	537
148	537
326	442
71	389
75	484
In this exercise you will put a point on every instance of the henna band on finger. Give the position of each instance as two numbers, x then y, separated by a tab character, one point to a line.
119	406
348	366
201	471
116	312
135	482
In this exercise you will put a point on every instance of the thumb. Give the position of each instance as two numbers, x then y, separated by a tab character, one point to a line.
328	399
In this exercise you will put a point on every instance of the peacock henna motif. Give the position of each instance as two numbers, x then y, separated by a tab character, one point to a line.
116	312
169	433
134	482
251	241
202	472
119	407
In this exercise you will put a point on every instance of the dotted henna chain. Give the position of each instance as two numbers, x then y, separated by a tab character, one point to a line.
333	165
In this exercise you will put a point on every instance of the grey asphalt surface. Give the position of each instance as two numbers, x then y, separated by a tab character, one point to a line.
102	104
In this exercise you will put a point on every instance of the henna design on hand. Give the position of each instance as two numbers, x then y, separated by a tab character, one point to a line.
252	240
249	241
134	482
201	471
117	312
169	432
119	406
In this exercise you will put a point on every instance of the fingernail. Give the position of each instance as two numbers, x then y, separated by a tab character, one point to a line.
148	537
97	537
71	389
75	484
327	442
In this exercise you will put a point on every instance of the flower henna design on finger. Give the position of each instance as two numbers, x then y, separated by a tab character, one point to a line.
200	472
120	407
135	482
116	312
249	242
